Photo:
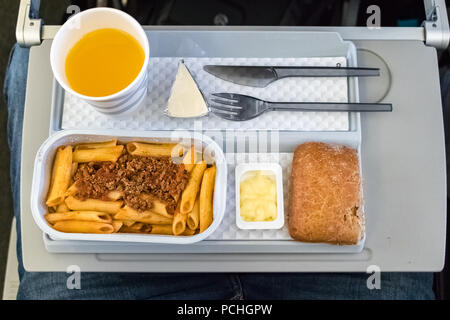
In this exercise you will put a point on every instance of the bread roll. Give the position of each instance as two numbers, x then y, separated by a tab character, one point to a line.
325	198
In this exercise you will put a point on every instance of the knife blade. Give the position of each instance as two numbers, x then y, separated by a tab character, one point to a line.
261	76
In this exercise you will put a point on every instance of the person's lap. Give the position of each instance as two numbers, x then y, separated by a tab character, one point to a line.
34	285
53	285
125	286
330	286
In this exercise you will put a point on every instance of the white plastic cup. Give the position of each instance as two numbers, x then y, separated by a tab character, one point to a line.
128	99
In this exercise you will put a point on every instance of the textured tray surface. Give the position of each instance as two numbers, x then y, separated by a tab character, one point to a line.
228	230
162	71
77	114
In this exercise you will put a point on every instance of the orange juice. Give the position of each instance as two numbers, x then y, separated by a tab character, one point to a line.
104	62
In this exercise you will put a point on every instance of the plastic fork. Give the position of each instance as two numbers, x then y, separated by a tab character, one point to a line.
239	107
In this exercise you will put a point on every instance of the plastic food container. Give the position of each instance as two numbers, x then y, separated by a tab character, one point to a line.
44	162
274	169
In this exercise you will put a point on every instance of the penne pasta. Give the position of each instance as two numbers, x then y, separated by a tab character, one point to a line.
126	229
127	223
78	216
112	195
71	190
62	208
193	217
188	232
73	169
108	212
161	229
94	145
167	230
190	192
98	154
117	225
155	149
158	206
75	226
60	180
190	159
115	195
179	222
127	213
137	226
93	205
206	198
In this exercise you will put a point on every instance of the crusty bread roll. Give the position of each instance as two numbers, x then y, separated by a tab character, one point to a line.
325	198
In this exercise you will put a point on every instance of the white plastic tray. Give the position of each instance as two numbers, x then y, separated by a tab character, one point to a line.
43	169
289	131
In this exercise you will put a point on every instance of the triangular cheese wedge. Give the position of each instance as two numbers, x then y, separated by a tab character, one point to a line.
186	100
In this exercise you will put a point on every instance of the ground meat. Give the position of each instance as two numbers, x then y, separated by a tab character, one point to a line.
133	175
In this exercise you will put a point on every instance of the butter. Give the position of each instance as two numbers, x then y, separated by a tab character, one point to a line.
258	197
186	100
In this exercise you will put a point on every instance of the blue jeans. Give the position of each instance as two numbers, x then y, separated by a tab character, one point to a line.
53	285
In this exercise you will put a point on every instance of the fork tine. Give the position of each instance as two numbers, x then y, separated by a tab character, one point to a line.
224	115
226	95
230	103
224	110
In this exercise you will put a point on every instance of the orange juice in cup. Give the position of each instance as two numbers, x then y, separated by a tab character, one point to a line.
103	60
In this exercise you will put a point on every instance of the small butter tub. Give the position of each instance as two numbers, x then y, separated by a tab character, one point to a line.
44	163
273	171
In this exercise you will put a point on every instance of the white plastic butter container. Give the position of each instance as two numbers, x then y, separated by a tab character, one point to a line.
273	169
44	162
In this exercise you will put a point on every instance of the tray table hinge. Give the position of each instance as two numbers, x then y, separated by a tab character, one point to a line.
28	30
436	27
